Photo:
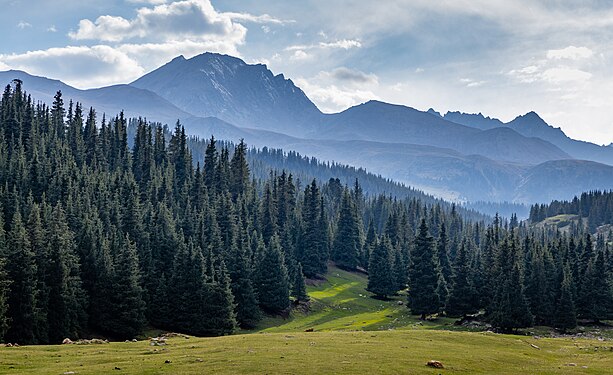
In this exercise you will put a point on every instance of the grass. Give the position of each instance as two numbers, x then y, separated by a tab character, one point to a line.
342	303
353	334
387	352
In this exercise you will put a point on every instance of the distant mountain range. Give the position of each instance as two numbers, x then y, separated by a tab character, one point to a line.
455	156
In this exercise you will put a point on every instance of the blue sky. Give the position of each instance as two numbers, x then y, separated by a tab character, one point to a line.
499	57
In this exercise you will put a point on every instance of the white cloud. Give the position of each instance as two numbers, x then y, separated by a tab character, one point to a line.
152	2
52	29
565	75
332	98
265	29
23	25
300	55
571	53
337	44
80	66
469	82
264	18
192	19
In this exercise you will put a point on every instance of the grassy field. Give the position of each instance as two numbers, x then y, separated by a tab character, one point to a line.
353	334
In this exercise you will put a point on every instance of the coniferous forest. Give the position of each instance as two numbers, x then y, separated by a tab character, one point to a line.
100	234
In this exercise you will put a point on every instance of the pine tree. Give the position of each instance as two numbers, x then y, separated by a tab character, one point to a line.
272	281
423	275
239	180
442	253
67	317
380	279
347	240
565	317
462	292
299	291
21	269
4	282
509	309
128	316
247	310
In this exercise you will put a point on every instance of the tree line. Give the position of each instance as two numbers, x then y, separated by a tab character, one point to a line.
102	235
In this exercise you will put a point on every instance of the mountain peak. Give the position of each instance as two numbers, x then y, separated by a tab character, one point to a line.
529	117
226	87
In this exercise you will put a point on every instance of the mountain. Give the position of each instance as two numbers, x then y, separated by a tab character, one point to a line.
532	125
383	122
213	85
110	100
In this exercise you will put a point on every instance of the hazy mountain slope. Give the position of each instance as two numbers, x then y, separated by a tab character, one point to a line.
228	88
532	125
563	179
382	122
110	100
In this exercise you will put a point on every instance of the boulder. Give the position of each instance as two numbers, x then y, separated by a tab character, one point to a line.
66	341
435	364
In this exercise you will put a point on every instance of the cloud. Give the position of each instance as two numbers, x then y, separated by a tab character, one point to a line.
300	55
152	2
264	18
565	75
468	82
192	19
332	98
353	76
337	44
23	25
52	29
80	66
571	53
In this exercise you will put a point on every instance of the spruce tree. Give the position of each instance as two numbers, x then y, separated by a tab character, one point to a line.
247	310
509	309
299	291
423	275
272	281
380	279
462	292
565	317
4	282
21	269
128	316
347	239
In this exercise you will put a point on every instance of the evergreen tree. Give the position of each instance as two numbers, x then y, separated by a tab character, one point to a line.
247	310
565	317
462	292
423	275
347	239
509	309
299	291
380	279
272	280
21	269
128	316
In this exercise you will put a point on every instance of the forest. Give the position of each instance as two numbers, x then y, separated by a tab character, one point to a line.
100	234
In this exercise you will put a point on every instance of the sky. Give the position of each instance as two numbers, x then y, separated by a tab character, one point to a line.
502	58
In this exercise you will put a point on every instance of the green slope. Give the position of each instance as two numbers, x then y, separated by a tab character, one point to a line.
342	303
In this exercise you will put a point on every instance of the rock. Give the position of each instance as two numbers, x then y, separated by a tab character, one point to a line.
134	340
535	347
199	360
66	341
9	345
69	373
571	364
117	368
400	303
167	361
435	364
